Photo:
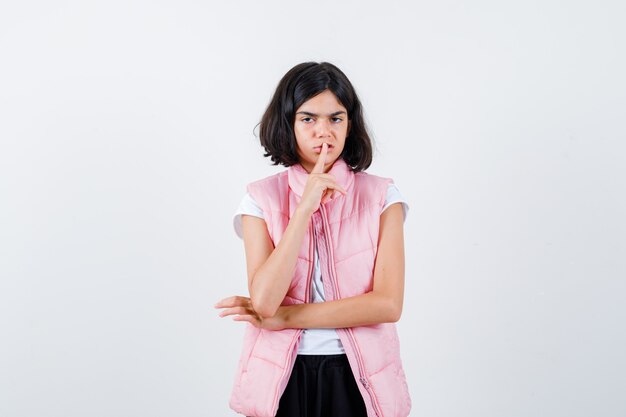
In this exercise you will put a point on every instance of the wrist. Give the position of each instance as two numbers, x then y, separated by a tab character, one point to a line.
287	316
303	212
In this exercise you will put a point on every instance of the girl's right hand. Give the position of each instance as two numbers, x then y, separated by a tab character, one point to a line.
319	186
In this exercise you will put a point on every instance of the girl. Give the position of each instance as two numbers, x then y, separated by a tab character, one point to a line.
324	251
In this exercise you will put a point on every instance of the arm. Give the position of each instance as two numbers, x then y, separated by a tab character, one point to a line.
382	304
270	269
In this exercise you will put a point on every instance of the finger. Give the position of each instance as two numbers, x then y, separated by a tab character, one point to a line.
233	301
250	319
234	310
222	303
340	189
321	160
332	184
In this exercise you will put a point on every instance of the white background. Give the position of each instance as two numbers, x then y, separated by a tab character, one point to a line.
127	140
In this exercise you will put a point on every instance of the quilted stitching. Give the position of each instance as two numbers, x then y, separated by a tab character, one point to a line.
352	220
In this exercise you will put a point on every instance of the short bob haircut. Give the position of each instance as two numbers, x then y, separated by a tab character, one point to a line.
298	85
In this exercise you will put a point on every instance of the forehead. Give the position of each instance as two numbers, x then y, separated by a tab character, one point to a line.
325	102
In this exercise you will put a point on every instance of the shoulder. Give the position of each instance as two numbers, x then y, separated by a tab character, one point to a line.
265	188
268	180
366	177
369	190
271	193
246	206
386	187
394	196
376	183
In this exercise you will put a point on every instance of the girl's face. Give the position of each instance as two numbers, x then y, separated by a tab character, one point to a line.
320	119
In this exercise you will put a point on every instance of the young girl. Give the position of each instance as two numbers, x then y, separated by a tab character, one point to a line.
324	251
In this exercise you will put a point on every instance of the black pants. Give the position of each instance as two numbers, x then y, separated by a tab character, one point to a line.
321	386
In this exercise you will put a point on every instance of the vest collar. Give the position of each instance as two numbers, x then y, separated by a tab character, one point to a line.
340	170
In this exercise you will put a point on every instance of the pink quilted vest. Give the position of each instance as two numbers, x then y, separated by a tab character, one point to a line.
346	232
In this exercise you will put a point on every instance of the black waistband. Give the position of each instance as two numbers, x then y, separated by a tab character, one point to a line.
316	361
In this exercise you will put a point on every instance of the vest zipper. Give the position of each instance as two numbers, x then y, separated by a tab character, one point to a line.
333	279
291	358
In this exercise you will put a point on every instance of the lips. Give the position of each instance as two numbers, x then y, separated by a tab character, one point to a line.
319	148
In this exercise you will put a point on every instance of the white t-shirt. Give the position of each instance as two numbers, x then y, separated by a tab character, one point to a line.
314	341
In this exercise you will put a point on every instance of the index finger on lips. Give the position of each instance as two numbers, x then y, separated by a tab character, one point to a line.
321	160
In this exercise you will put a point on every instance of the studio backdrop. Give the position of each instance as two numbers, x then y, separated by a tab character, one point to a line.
127	137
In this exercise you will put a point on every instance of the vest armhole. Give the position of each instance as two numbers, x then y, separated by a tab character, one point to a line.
252	190
386	182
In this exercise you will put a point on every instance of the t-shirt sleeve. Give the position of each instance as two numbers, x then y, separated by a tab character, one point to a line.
394	196
247	206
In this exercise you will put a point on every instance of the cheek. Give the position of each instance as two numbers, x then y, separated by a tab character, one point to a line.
301	143
301	133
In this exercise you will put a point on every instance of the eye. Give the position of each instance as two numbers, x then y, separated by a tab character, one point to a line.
336	119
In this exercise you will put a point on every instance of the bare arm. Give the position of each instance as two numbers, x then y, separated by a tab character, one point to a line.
382	304
270	269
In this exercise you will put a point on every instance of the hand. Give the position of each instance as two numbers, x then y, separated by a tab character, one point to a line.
320	187
241	307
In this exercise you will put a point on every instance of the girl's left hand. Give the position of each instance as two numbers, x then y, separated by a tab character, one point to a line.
241	307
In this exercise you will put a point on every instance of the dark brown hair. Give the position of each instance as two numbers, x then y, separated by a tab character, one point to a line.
298	85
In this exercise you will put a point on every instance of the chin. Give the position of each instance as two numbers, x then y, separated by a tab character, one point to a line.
329	160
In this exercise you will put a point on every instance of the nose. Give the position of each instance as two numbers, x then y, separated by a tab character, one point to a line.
323	128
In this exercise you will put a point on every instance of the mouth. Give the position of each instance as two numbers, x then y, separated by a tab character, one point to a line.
319	148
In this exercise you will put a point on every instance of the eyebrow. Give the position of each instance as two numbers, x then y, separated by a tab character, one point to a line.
315	115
